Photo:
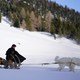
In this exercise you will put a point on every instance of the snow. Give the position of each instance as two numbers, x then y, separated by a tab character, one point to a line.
38	48
37	73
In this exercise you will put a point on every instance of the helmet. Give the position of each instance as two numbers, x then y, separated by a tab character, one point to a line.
13	45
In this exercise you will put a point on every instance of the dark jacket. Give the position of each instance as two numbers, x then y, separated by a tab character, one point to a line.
18	57
9	53
12	54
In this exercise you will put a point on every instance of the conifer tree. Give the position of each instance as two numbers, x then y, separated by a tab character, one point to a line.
52	28
16	23
0	16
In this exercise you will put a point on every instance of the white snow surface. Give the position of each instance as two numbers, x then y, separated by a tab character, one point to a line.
37	47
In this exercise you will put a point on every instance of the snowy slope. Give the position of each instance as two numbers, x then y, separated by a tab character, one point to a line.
37	47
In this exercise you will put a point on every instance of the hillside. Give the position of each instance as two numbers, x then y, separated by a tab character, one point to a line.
42	15
38	48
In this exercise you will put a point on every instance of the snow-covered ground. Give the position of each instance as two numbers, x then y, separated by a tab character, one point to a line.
38	48
38	73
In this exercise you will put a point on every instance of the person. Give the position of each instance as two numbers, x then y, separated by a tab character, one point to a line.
13	58
10	56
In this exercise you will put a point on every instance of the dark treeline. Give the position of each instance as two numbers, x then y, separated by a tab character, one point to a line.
42	15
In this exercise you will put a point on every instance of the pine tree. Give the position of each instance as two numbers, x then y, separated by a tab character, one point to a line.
28	23
48	19
52	28
0	16
23	13
16	23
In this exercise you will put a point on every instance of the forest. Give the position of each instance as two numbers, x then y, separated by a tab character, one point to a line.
42	15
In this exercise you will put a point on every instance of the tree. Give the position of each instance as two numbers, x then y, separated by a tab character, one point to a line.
48	19
0	16
16	23
33	20
28	23
52	28
23	13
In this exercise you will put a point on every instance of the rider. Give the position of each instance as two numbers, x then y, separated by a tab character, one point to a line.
9	55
